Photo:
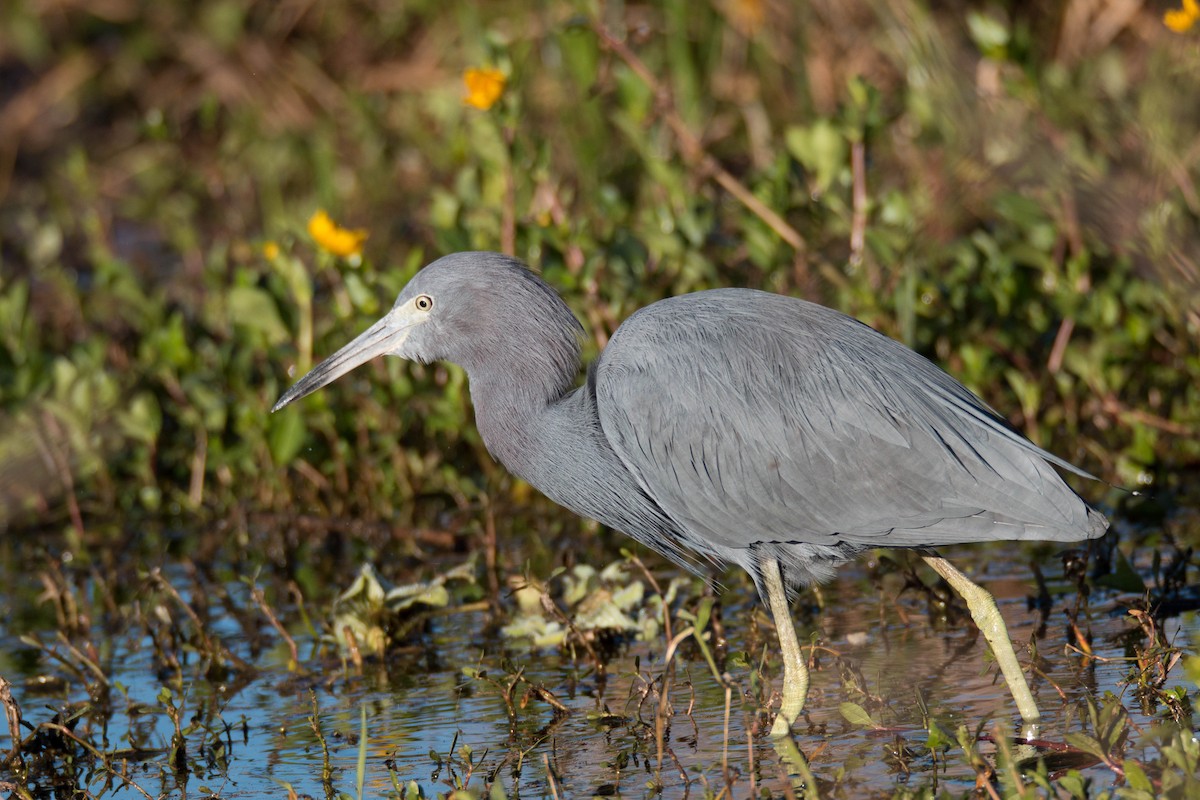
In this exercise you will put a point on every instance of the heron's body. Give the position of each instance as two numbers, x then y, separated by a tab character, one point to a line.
762	423
730	425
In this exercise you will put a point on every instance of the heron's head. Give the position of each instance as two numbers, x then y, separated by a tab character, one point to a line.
462	308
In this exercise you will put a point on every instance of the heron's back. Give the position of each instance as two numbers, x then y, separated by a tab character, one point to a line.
755	418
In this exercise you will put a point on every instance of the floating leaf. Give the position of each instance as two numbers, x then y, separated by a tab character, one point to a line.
857	715
377	613
433	595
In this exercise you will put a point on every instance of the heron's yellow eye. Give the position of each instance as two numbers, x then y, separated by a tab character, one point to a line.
423	302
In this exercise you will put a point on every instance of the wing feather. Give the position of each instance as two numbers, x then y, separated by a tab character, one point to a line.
751	417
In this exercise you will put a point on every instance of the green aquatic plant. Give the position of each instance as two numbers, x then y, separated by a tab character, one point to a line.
371	614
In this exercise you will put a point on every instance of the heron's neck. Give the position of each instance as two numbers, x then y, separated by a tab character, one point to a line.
554	441
544	431
517	389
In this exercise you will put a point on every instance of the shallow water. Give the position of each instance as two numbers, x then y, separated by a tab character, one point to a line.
249	735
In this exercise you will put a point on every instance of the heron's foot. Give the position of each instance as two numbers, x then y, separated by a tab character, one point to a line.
987	617
789	712
795	689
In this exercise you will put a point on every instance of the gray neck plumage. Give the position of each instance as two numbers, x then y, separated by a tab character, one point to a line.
515	410
549	434
516	379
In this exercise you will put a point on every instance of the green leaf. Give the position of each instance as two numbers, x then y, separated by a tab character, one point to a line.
287	434
141	419
253	308
361	295
989	34
1074	783
1081	741
857	715
821	148
1123	577
938	738
1136	777
581	55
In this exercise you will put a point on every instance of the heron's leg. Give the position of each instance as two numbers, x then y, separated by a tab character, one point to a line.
795	671
991	624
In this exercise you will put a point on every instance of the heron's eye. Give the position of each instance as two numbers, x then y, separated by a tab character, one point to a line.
423	302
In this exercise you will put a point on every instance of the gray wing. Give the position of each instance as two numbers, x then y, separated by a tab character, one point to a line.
751	417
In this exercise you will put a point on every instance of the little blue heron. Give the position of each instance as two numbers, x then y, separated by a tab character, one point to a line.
734	426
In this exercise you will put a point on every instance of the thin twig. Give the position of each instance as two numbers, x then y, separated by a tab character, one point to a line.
63	730
750	763
52	442
858	222
260	599
90	663
1115	407
34	642
725	739
1059	350
637	562
1062	695
490	556
508	220
211	647
326	762
664	697
352	647
1101	659
550	776
13	712
552	608
199	462
546	696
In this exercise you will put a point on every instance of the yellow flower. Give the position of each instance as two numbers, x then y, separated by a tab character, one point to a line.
337	240
1182	19
746	15
270	251
484	87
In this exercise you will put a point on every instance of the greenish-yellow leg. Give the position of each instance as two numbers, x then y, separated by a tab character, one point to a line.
991	624
795	671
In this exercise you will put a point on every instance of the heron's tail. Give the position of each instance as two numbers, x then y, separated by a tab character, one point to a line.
1097	523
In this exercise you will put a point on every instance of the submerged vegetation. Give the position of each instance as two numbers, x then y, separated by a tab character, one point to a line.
198	200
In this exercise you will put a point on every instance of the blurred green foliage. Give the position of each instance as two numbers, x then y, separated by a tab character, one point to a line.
1011	191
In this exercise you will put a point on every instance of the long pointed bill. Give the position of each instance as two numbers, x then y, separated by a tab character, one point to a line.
384	337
